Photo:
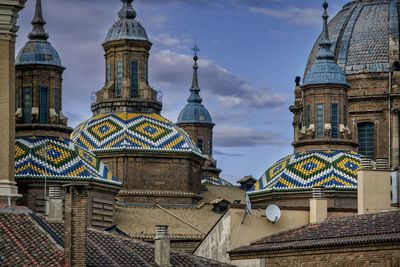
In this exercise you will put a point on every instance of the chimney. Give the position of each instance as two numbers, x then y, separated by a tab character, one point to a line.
373	190
318	205
162	248
8	28
54	204
76	202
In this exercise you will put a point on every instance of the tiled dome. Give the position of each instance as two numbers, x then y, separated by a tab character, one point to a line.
360	34
133	132
333	169
215	181
55	158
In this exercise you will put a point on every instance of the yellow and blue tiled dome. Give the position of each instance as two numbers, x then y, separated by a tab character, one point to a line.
140	132
333	169
215	181
55	158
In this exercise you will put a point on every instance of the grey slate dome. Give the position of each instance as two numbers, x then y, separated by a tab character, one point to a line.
194	111
127	28
360	35
38	51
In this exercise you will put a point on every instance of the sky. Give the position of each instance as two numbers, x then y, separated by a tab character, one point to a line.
251	52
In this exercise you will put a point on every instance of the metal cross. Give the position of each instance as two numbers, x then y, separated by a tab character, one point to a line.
195	49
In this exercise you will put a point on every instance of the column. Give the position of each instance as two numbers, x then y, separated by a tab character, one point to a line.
8	18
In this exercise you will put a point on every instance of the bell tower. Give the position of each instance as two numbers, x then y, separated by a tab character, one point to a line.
38	83
197	122
127	50
320	109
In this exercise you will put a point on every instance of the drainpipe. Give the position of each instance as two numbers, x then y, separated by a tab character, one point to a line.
390	116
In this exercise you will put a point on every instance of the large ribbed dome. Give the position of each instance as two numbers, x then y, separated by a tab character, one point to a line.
361	34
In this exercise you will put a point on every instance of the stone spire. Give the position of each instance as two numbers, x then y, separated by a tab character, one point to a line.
325	44
38	32
195	89
127	11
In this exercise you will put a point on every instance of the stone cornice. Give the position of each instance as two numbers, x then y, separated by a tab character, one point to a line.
8	18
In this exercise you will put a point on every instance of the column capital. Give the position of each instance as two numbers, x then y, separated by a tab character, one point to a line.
8	18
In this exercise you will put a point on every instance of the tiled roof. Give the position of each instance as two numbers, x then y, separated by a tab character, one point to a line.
24	243
230	193
215	181
109	249
184	222
140	132
333	169
355	230
57	158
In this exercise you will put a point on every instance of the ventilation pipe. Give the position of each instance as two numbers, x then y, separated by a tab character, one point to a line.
162	246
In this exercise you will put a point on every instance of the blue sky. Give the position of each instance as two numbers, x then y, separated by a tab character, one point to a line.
251	51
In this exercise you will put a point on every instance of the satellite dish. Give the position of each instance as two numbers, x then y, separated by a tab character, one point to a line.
248	203
273	213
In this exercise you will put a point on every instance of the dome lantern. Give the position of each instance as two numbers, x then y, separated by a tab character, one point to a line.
325	70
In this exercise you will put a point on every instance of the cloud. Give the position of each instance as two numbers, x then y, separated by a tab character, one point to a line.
228	89
226	136
164	39
294	15
220	153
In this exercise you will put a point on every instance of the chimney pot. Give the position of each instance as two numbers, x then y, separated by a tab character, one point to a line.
366	163
162	246
318	192
381	163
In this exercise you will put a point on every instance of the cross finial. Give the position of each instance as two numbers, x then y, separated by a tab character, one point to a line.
195	49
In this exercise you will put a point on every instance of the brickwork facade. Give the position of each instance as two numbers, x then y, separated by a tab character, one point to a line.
76	205
382	255
8	19
156	178
203	132
101	201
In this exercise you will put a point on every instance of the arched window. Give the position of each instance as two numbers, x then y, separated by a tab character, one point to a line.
366	139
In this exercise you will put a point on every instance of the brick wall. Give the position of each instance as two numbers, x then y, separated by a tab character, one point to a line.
76	202
382	255
144	173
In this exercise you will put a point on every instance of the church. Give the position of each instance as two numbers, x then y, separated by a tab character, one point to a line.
130	178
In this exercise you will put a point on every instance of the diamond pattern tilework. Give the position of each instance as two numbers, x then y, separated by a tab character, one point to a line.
56	158
215	181
134	132
304	170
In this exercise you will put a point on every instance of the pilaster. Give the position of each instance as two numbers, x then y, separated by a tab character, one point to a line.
8	18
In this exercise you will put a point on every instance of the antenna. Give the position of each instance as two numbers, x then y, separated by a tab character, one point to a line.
248	205
273	213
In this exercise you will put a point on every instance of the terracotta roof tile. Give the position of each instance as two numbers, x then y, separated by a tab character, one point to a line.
362	229
24	243
184	222
110	249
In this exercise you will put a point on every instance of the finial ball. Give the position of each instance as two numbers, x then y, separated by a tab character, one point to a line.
195	58
325	5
